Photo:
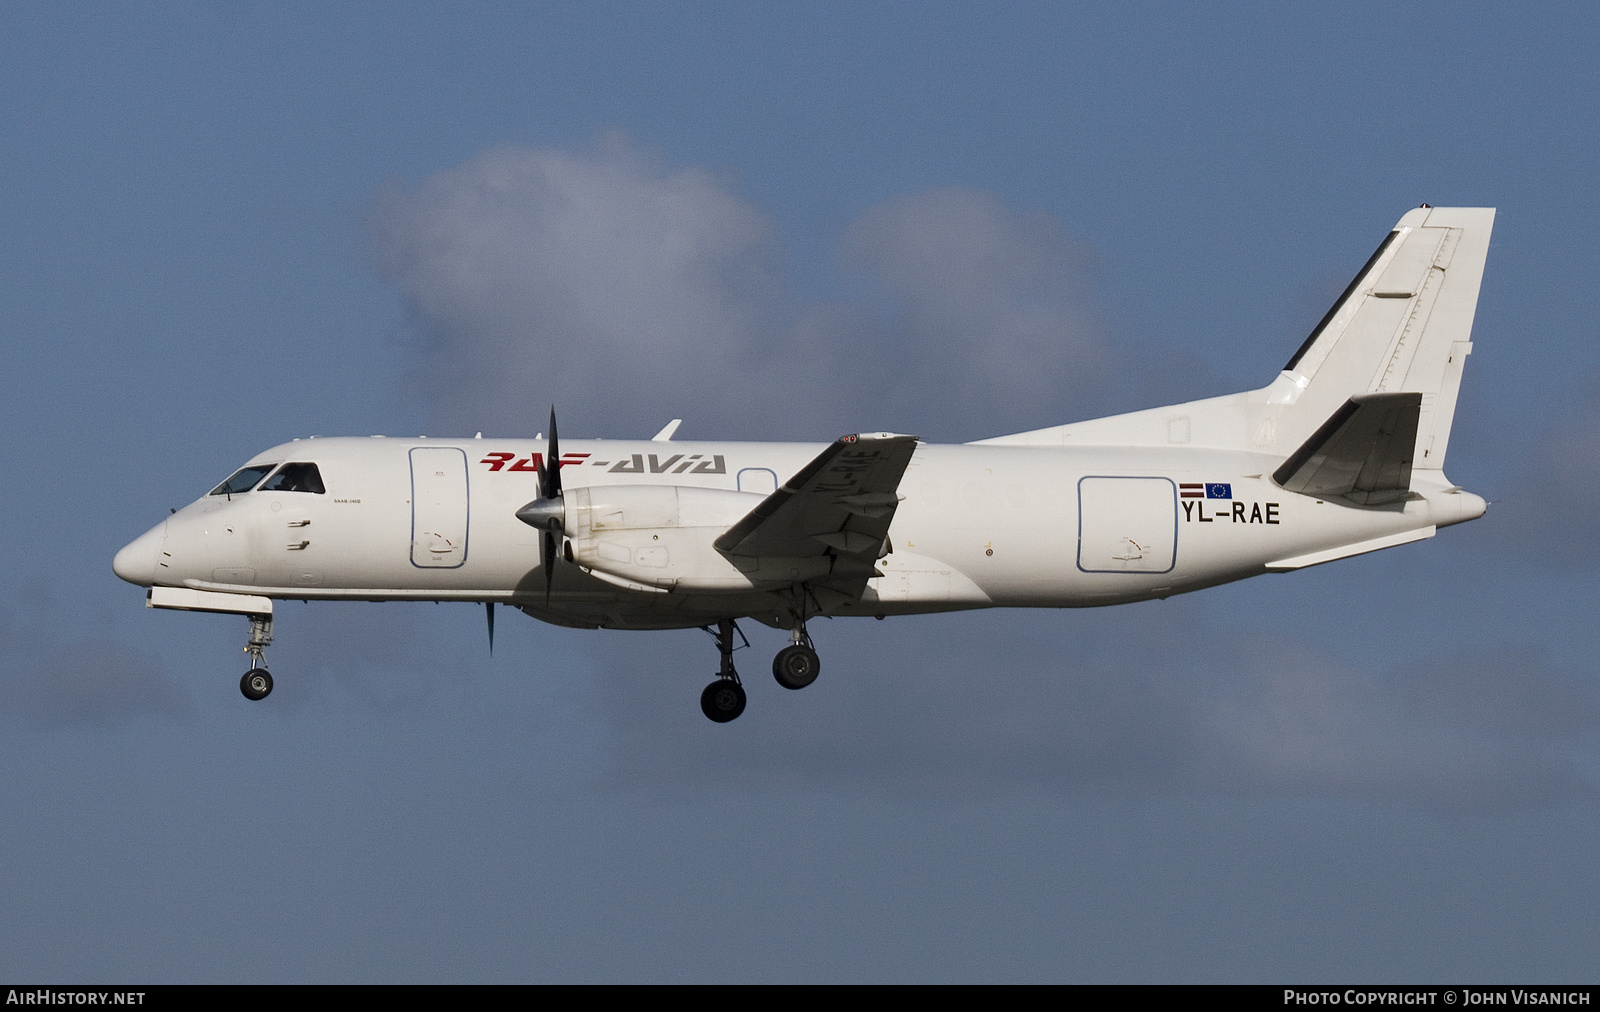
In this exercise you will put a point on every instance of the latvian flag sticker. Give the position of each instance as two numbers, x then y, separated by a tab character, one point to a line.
1210	490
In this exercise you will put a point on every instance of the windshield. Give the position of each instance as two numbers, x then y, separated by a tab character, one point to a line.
243	480
296	478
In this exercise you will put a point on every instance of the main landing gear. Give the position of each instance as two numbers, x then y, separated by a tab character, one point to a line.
797	664
257	682
723	699
795	667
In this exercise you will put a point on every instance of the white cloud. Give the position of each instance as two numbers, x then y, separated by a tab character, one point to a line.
597	276
633	292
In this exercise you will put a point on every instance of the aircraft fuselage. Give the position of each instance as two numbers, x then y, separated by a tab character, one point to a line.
976	526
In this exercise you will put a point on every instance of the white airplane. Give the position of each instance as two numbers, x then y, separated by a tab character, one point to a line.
1341	454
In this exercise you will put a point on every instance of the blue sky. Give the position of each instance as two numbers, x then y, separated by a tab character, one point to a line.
228	227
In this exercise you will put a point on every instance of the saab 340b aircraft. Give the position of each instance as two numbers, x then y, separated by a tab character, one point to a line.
1341	454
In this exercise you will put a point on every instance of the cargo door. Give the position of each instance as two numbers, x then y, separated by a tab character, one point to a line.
1127	525
438	507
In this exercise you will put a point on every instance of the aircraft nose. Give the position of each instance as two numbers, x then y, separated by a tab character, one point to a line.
136	563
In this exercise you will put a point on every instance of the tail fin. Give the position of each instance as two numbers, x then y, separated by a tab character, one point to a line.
1404	325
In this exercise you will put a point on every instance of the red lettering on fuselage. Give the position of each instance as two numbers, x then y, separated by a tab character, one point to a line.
497	460
532	462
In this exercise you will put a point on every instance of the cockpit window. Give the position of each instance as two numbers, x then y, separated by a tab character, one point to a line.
296	478
243	480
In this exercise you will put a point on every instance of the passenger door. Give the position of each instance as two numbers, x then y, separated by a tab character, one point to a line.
439	507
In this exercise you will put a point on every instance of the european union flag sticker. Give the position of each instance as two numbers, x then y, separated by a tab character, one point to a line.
1219	490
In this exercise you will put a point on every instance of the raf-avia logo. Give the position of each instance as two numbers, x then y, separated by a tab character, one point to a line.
1213	501
533	462
635	463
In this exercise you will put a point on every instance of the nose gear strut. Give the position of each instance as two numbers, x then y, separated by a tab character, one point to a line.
257	682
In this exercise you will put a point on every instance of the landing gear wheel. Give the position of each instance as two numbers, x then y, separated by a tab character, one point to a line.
796	666
256	683
722	700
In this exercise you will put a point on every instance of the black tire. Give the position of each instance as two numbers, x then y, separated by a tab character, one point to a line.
796	667
256	683
722	700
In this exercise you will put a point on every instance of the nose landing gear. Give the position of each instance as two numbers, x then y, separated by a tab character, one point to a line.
724	699
257	682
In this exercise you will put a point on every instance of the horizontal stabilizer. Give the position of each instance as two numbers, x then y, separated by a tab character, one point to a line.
1359	548
1363	453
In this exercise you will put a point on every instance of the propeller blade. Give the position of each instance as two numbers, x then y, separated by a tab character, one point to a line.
550	467
489	610
548	511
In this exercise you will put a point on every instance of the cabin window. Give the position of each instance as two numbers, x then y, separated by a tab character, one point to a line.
295	477
243	480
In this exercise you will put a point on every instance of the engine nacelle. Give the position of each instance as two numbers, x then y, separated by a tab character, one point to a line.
660	537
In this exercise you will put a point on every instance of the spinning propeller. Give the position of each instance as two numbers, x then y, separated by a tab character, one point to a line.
548	512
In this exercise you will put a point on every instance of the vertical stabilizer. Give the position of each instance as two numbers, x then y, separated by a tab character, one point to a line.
1403	326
